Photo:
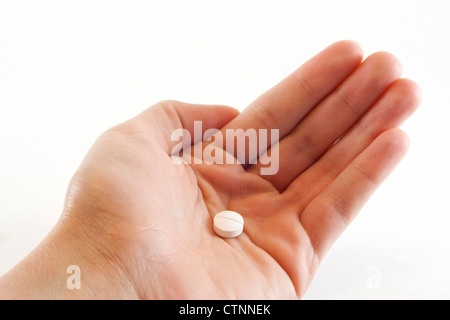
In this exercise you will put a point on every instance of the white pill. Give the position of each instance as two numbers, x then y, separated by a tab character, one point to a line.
228	224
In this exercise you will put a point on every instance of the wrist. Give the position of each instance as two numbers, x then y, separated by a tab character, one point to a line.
70	263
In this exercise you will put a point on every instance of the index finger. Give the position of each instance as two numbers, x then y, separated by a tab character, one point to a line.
286	104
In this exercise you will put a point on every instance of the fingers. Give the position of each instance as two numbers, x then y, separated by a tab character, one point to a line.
333	116
390	111
283	106
326	217
161	120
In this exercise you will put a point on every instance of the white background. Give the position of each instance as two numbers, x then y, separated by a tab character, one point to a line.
71	69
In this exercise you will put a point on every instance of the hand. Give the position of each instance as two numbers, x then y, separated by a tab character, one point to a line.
139	225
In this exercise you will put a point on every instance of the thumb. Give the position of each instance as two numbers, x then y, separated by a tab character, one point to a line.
163	118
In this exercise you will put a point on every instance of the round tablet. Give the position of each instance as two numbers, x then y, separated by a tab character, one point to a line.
228	224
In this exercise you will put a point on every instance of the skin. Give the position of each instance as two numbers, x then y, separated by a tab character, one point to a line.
139	226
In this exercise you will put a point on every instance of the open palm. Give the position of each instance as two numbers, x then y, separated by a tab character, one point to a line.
338	121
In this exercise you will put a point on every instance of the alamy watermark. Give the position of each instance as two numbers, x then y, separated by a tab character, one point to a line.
74	280
235	147
373	281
